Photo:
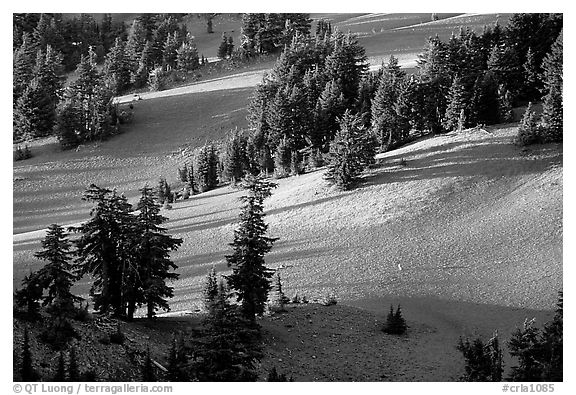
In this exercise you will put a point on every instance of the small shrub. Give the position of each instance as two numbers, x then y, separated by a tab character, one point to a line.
104	339
82	314
304	299
395	323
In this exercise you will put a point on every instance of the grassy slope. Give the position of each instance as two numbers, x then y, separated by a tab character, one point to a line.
470	218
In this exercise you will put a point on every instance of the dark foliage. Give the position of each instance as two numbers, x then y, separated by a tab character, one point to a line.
483	360
395	323
250	278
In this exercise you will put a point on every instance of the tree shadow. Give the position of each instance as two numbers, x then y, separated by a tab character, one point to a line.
494	158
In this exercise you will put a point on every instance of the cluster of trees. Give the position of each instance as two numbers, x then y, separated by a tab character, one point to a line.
125	250
70	36
47	46
539	352
268	33
230	344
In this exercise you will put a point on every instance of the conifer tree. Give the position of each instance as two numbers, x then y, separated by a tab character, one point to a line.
504	106
282	159
395	323
191	178
552	115
143	67
57	274
346	65
135	44
389	126
152	248
528	131
230	47
295	163
117	68
485	102
30	294
68	126
235	156
230	349
187	57
104	248
351	151
27	371
483	360
457	102
223	48
250	278
330	106
170	51
22	65
206	168
210	289
177	361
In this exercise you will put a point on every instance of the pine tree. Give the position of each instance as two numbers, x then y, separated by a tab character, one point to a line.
528	131
170	51
505	113
282	159
351	151
235	156
457	102
153	248
552	341
230	47
187	57
117	68
57	274
330	107
230	348
135	44
346	65
27	371
395	323
191	178
485	102
143	67
30	294
68	126
295	163
525	345
483	360
223	48
22	65
210	289
389	126
250	278
206	168
552	115
177	361
104	248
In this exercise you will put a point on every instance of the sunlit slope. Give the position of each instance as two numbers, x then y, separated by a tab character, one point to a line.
470	217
